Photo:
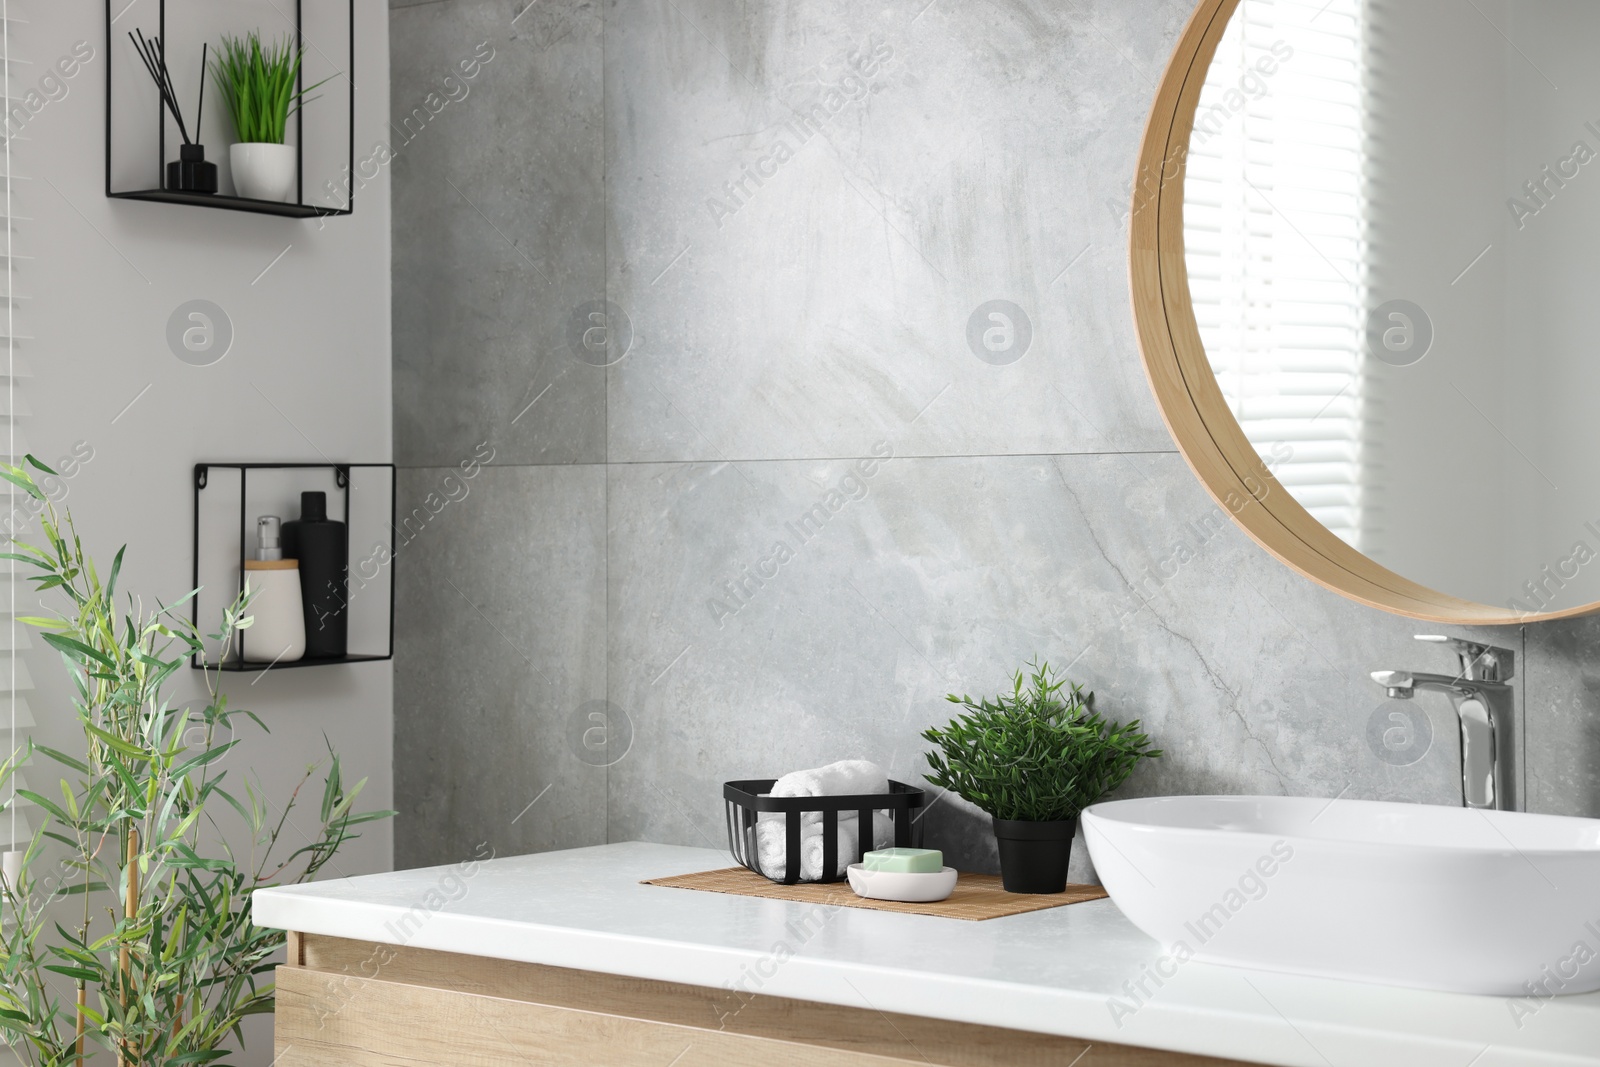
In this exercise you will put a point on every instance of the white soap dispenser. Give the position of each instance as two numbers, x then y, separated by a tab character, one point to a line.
278	632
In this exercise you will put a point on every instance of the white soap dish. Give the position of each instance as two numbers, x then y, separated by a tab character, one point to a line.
898	885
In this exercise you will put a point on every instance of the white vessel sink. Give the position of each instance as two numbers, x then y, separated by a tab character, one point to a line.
1460	900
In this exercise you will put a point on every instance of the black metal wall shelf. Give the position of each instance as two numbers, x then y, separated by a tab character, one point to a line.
228	203
162	195
342	475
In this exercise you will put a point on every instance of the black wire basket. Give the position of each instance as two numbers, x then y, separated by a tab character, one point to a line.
746	804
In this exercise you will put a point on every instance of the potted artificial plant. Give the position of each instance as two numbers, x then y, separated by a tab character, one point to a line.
1032	759
125	921
257	82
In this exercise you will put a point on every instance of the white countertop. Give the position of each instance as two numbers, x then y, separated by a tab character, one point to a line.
1053	971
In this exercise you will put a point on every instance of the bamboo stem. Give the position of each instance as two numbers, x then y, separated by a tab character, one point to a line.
83	999
177	1019
130	909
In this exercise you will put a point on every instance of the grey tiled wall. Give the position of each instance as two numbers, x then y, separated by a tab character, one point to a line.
788	312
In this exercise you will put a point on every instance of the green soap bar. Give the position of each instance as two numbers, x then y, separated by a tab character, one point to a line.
905	860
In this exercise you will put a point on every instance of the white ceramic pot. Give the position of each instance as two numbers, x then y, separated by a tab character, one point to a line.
264	171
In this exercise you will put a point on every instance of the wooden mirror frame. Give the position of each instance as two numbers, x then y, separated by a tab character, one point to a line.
1186	389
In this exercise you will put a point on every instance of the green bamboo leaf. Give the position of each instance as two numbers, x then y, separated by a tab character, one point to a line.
61	838
43	623
115	742
116	568
207	757
187	858
369	816
70	799
47	804
22	481
74	649
238	807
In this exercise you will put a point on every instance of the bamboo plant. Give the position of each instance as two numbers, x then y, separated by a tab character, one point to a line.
257	83
159	962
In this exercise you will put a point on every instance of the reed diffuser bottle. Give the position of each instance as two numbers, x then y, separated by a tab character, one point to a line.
190	172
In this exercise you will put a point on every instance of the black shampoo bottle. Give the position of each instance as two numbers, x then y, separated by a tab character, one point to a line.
322	548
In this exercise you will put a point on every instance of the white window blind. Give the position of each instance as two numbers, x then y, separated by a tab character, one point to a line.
16	683
1274	233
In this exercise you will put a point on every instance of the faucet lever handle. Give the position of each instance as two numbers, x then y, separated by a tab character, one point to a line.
1479	662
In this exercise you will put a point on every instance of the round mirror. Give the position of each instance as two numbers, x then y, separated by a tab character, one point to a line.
1366	241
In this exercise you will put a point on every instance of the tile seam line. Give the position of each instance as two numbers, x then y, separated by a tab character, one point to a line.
792	459
605	415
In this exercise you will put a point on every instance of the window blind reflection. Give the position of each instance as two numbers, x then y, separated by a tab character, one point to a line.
1274	234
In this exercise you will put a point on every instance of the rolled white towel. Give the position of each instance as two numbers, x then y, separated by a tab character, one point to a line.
773	850
811	861
811	846
851	777
844	778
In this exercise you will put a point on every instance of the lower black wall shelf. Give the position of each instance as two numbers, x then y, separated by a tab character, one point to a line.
228	499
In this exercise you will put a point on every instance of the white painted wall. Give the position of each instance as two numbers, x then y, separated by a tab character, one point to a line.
308	375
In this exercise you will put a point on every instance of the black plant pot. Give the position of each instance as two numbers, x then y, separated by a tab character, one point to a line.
1034	855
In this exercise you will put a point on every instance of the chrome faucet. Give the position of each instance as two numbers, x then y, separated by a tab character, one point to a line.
1482	698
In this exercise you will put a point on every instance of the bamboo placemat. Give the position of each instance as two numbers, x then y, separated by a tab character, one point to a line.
976	896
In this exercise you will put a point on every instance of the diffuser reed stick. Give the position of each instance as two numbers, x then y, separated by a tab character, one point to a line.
154	53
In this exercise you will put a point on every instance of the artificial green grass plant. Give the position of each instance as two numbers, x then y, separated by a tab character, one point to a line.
257	83
1036	753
